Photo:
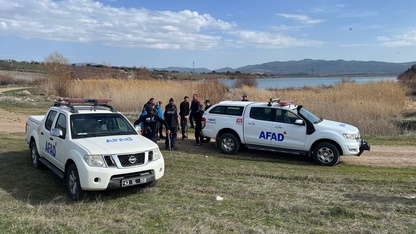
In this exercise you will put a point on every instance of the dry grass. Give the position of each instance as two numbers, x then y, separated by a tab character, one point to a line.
371	106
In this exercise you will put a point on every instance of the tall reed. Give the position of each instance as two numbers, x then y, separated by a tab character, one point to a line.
371	106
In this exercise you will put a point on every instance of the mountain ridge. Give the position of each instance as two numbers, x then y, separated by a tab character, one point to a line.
310	67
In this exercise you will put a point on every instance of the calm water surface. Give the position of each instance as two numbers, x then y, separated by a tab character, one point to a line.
265	83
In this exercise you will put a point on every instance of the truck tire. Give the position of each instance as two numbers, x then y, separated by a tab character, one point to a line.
35	156
151	184
326	154
73	185
229	143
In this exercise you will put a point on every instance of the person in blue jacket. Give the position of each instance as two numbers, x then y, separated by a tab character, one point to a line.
159	127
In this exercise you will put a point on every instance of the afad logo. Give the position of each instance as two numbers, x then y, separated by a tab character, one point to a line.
50	149
119	139
272	136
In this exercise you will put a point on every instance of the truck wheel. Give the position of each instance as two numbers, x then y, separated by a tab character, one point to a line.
35	155
326	154
229	144
73	185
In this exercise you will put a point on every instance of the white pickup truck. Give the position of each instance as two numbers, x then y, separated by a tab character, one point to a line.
280	126
92	147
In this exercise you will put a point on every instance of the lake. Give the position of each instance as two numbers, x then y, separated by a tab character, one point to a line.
279	83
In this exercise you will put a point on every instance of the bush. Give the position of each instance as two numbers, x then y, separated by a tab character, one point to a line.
245	80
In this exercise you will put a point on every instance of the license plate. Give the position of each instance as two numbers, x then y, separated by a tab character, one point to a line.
133	181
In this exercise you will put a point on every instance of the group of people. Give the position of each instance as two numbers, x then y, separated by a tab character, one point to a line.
153	119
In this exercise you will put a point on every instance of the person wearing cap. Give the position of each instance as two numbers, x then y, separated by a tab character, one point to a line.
198	125
184	114
244	98
207	104
171	116
149	122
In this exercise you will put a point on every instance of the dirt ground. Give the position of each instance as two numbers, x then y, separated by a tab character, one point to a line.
397	156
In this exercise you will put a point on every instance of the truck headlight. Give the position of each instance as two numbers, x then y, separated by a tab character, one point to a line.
94	160
351	136
156	154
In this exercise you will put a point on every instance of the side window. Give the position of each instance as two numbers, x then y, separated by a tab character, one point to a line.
218	110
61	124
228	110
284	116
261	113
49	120
234	110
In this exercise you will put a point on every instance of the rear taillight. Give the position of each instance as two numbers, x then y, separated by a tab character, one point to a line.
204	122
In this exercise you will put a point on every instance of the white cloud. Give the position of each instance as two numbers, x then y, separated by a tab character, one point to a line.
269	40
304	19
407	39
89	21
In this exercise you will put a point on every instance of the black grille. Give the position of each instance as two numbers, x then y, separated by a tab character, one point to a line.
131	159
150	156
109	161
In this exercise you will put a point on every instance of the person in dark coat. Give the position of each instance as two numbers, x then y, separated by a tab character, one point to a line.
149	122
172	119
244	98
184	114
194	108
207	105
198	125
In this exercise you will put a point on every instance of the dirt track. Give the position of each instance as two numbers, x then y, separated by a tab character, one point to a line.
398	156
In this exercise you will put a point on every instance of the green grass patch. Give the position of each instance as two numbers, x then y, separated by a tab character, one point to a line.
391	140
259	196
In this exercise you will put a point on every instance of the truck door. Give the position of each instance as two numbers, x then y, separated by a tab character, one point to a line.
60	142
47	145
258	126
286	133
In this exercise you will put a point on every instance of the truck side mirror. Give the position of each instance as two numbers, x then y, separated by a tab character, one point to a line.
299	122
57	132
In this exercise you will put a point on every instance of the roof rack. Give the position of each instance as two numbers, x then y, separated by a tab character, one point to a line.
93	102
279	102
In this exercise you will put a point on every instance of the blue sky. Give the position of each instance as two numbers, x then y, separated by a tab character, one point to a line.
211	34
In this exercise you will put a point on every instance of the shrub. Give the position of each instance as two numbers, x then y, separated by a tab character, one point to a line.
245	80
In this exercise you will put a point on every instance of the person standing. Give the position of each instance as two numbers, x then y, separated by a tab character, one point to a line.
207	104
184	114
149	122
194	108
244	98
198	125
159	129
172	118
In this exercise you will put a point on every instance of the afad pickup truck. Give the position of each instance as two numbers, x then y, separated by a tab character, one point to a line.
92	147
280	126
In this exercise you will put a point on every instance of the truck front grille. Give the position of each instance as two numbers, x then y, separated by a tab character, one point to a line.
129	160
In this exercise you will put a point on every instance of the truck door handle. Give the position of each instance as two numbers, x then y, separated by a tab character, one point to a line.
251	123
41	133
50	138
280	127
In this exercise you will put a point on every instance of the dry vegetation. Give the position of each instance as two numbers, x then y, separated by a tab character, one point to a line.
371	107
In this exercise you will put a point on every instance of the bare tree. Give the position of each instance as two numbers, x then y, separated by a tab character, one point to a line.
58	73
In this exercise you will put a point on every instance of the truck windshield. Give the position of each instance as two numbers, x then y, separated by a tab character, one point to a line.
311	117
93	125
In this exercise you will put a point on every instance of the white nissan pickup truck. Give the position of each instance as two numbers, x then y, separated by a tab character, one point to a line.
280	126
92	147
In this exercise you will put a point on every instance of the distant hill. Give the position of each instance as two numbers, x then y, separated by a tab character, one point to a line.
310	67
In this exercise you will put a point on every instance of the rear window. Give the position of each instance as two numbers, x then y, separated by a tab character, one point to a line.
227	110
